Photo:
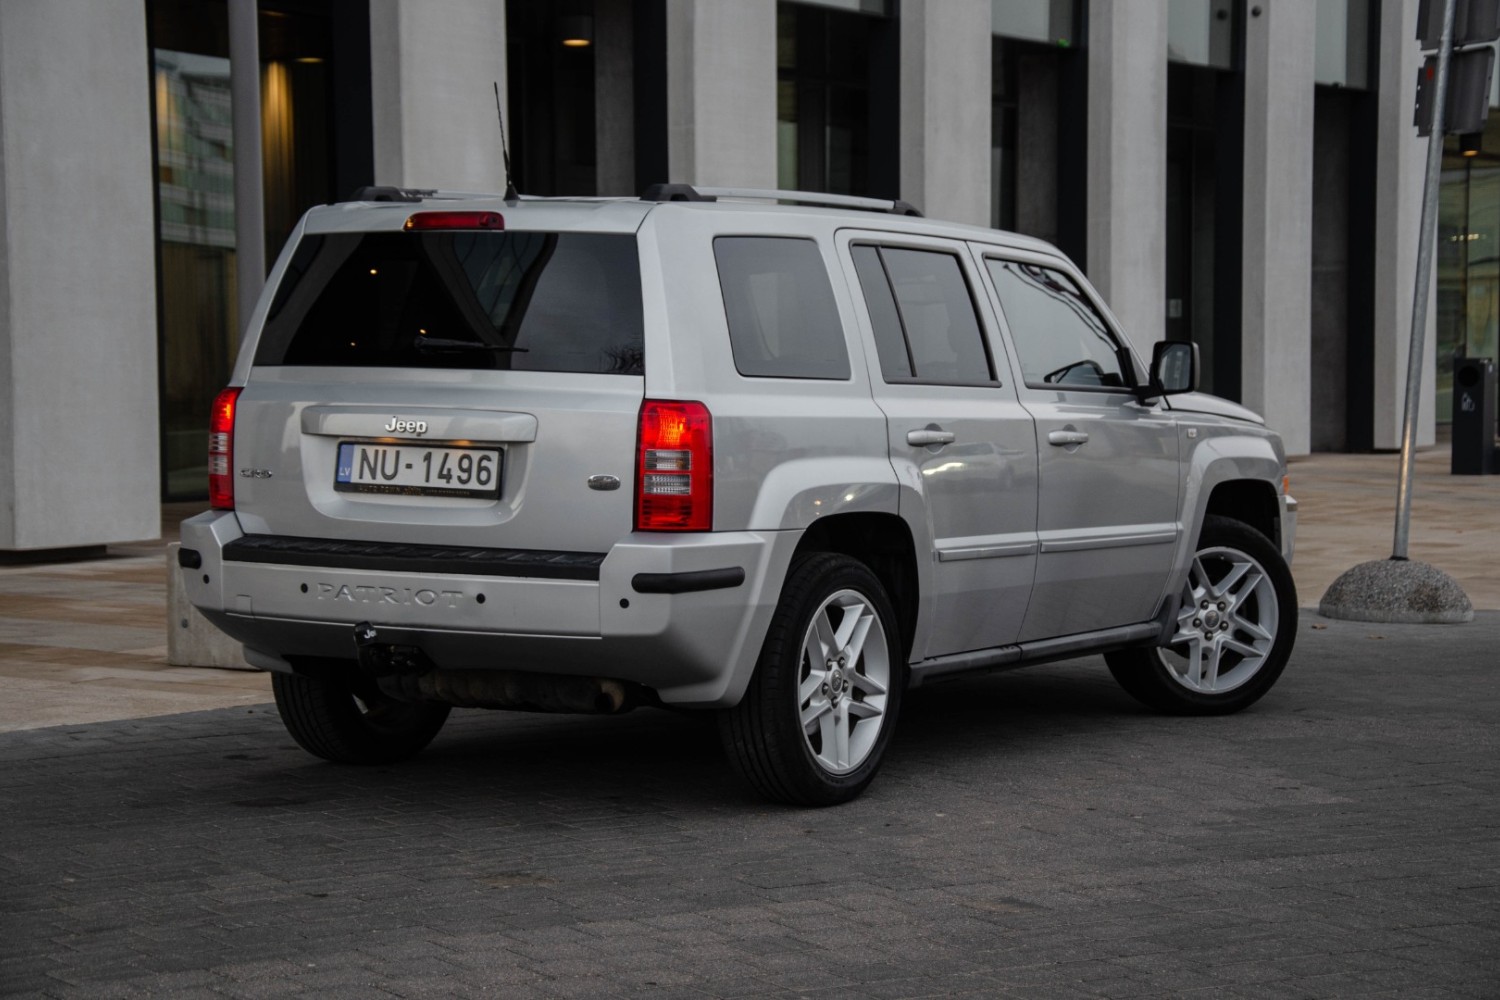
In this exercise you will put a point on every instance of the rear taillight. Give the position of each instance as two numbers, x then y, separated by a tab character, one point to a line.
221	450
674	469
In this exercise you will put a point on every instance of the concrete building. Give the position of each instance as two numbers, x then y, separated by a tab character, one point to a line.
1241	173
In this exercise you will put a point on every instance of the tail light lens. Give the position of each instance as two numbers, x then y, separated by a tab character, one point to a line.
674	469
221	450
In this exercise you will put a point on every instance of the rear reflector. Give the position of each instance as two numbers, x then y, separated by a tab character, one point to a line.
455	220
221	450
674	470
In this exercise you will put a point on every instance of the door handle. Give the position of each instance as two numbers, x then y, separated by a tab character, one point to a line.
929	435
1064	438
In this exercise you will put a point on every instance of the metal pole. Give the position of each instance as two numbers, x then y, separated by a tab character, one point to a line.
249	199
1426	237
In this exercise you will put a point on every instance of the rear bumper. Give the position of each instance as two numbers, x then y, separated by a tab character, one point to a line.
683	615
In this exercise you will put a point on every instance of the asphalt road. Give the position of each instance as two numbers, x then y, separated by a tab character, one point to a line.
1034	834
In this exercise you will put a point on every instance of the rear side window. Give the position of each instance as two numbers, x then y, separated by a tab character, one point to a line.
561	302
783	322
925	324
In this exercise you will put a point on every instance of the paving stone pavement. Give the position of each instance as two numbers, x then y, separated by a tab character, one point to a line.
1034	834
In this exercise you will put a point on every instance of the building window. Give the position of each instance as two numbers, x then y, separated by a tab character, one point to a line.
1342	52
836	99
1202	33
1038	111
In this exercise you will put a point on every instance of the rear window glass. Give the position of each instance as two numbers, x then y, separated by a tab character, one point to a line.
783	322
560	302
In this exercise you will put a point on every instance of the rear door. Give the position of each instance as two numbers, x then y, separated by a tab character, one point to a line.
1108	518
960	442
447	387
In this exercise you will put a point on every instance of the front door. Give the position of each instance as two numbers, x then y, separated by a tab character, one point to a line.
1108	471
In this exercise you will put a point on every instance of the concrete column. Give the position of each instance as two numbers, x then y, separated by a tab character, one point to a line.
614	97
1127	163
78	397
249	182
721	92
1400	164
945	108
433	65
1276	351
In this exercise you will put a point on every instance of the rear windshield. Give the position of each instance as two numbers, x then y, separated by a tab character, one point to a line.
556	302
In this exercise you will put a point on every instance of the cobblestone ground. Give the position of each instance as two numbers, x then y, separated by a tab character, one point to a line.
1034	834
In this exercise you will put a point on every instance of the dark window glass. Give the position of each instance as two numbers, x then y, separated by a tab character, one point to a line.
783	322
522	301
937	314
895	361
1059	338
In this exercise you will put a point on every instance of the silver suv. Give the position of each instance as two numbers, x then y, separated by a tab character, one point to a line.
777	455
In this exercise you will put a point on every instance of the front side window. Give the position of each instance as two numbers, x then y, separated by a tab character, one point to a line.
561	302
1060	339
925	325
783	322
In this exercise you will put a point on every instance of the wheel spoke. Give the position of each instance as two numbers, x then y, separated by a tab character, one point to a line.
814	715
841	735
860	630
820	639
864	682
1193	671
827	726
853	611
863	710
1198	582
1208	680
1244	649
1243	624
1226	585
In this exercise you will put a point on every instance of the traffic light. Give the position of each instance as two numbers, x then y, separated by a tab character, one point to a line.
1474	22
1468	102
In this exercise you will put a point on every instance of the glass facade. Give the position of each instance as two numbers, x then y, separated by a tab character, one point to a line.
195	165
1468	260
1038	114
837	75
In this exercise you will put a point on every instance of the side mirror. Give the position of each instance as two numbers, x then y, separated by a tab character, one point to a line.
1174	367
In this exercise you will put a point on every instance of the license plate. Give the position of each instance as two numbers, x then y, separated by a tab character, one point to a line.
418	471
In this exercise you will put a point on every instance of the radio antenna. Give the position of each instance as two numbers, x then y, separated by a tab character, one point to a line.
510	185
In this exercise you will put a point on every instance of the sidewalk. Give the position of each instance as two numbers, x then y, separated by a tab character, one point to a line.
86	642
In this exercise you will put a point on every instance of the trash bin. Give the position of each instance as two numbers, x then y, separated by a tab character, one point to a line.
1474	415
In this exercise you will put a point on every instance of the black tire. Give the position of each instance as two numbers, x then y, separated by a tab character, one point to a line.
353	723
764	735
1253	621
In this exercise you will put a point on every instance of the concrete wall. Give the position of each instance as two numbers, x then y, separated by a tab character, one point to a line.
945	108
1276	352
433	64
78	395
1400	163
1127	165
721	92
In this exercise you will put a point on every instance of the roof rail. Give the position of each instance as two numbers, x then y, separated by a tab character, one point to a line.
687	192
